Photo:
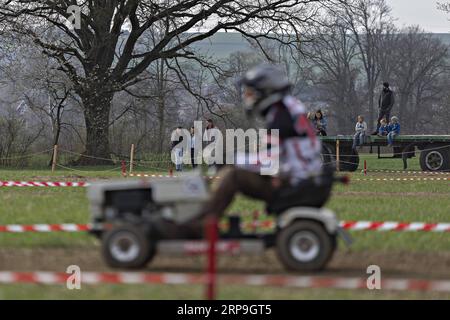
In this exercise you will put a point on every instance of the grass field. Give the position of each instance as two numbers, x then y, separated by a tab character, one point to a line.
425	201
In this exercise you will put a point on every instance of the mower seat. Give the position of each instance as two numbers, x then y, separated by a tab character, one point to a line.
310	193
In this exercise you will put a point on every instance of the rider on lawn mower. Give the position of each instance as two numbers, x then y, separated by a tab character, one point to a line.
302	180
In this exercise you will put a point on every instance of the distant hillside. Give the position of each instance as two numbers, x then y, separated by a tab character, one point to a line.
445	37
222	44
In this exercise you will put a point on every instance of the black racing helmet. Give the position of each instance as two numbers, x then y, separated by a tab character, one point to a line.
269	83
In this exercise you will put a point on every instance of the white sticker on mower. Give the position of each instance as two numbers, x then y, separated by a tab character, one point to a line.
193	187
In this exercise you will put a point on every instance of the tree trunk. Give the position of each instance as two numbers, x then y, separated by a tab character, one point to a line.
97	106
161	105
162	125
372	108
57	131
402	106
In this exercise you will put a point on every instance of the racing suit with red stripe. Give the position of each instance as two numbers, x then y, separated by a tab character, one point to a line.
300	171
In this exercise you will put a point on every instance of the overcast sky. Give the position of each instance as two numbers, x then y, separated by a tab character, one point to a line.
420	12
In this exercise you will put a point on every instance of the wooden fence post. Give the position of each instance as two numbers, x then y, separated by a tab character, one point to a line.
132	158
124	168
212	233
337	156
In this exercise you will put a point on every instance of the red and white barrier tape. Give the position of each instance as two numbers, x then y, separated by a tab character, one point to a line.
348	225
357	179
148	175
412	172
367	226
402	179
83	184
67	227
42	184
395	226
91	278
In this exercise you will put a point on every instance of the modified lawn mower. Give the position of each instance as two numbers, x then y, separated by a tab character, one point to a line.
305	238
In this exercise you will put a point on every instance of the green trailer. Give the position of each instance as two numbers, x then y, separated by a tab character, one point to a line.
434	150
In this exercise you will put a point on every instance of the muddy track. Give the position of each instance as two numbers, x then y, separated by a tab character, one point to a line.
393	264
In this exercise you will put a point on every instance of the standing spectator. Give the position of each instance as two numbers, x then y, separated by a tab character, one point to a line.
209	126
193	155
208	135
394	130
320	122
385	104
177	147
361	129
383	131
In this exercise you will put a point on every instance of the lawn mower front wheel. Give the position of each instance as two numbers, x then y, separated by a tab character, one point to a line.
127	247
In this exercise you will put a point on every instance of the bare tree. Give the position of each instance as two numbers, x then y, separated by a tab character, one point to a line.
101	58
58	95
420	64
17	133
226	91
444	6
368	22
45	89
334	55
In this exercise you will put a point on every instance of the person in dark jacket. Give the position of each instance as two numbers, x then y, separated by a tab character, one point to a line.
193	153
385	105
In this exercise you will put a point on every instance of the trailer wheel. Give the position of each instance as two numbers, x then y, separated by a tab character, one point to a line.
435	160
328	156
127	247
305	246
349	160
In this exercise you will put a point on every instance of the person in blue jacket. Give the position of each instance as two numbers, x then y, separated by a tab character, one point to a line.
394	130
383	131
